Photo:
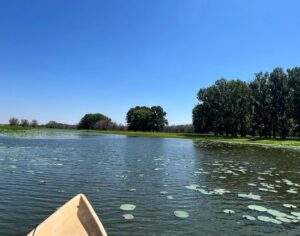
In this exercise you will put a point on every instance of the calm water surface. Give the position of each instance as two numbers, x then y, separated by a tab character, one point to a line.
40	173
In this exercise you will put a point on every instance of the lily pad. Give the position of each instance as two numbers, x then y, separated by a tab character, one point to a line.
250	196
292	190
228	211
276	213
192	186
128	216
257	208
289	206
269	219
127	207
181	214
220	191
283	219
297	214
164	192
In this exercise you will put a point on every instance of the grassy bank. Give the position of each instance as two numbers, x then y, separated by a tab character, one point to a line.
198	137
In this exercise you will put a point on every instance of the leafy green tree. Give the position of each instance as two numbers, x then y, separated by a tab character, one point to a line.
294	88
24	123
34	123
142	118
279	92
89	120
158	120
14	121
202	119
223	108
260	105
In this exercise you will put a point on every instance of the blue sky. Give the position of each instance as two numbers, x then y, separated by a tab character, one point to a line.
62	59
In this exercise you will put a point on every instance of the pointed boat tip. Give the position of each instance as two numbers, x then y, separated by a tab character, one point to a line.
81	195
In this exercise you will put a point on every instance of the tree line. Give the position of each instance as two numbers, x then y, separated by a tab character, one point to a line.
268	106
139	118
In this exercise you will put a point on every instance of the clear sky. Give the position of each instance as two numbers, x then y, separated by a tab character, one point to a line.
61	59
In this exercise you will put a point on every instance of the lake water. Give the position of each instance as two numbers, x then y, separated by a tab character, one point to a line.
41	171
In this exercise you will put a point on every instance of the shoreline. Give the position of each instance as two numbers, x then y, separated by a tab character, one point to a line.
291	143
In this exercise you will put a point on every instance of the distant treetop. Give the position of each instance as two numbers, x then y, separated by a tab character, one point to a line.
90	120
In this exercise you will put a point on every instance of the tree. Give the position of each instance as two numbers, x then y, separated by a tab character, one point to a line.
34	123
202	119
279	93
13	121
139	118
89	120
56	125
158	120
294	88
261	105
106	125
223	108
24	123
142	118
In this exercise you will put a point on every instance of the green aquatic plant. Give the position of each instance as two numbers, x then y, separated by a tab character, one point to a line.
127	207
290	206
193	186
220	191
181	214
163	192
297	214
128	216
283	219
228	211
269	220
276	213
257	208
250	196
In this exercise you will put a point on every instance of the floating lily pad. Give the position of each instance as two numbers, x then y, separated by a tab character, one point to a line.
297	214
181	214
250	196
283	219
228	211
128	216
203	191
127	207
220	191
249	217
257	208
276	213
292	190
269	219
192	186
164	192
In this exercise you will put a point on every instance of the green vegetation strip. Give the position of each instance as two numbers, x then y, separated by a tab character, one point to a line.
293	143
